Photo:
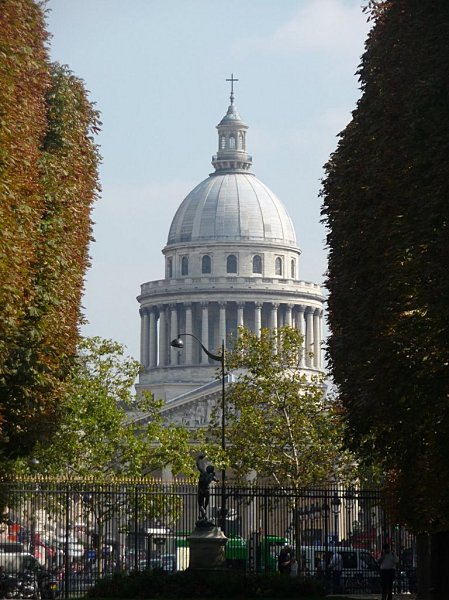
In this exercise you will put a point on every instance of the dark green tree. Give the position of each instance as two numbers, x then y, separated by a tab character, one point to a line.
386	209
48	182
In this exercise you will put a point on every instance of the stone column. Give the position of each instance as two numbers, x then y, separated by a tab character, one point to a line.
274	315
300	325
240	321
258	318
174	353
309	335
162	337
204	331
317	337
187	339
222	324
288	315
144	337
153	337
321	365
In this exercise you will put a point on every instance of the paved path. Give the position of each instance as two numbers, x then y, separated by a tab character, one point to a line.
377	596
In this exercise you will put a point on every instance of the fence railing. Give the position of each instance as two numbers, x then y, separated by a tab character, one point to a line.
71	534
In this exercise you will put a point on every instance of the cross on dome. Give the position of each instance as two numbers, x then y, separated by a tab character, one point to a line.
232	86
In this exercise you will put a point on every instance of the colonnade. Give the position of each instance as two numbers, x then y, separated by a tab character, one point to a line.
212	322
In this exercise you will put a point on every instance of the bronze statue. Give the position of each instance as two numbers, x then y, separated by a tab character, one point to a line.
207	476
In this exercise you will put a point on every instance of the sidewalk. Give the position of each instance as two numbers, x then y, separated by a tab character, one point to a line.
405	596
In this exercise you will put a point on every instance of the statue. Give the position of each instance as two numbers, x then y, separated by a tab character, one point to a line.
207	476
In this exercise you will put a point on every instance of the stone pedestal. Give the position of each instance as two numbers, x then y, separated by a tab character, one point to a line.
207	548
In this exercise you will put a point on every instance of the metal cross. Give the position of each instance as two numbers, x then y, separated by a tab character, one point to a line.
232	85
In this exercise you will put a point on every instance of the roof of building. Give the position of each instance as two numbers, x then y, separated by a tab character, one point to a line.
231	204
231	207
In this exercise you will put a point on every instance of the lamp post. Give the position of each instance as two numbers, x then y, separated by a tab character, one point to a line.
336	507
350	498
178	343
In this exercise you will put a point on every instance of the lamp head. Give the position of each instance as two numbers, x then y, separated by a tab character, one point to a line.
336	504
177	343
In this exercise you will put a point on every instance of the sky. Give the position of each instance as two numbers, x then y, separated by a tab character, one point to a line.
156	70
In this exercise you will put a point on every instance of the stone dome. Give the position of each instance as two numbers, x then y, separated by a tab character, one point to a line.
231	206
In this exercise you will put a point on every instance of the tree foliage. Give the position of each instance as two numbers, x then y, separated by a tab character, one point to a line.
385	205
98	435
48	181
279	421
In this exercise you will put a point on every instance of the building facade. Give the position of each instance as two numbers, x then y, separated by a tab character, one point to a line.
231	260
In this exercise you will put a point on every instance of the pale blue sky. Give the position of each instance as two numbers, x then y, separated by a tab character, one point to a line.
156	70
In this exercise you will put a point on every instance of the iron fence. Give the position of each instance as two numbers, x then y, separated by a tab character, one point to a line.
70	534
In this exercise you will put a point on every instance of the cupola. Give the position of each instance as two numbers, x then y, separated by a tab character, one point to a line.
231	155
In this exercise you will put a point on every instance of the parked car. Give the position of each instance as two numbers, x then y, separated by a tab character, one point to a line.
73	547
360	574
165	562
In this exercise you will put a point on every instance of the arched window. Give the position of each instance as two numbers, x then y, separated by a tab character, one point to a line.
257	264
240	147
293	269
169	267
222	142
278	266
206	264
185	265
231	142
231	264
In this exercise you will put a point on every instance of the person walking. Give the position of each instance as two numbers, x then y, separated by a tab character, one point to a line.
285	560
336	565
387	562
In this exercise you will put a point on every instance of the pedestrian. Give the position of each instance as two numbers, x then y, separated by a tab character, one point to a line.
3	582
387	562
336	566
294	567
285	560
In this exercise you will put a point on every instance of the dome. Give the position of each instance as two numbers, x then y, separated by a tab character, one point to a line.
232	206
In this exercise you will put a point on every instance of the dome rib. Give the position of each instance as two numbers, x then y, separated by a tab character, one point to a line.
231	207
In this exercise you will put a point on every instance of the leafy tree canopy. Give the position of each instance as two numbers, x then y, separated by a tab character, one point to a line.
98	435
385	205
48	182
279	422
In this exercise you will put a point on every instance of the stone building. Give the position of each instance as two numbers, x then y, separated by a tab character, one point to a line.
231	259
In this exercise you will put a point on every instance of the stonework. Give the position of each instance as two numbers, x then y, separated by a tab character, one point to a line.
231	260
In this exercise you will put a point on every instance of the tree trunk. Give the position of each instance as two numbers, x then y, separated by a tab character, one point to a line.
423	566
439	561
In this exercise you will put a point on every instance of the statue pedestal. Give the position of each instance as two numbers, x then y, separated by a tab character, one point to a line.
207	547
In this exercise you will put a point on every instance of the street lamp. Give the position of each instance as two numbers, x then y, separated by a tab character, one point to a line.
350	498
178	343
336	508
